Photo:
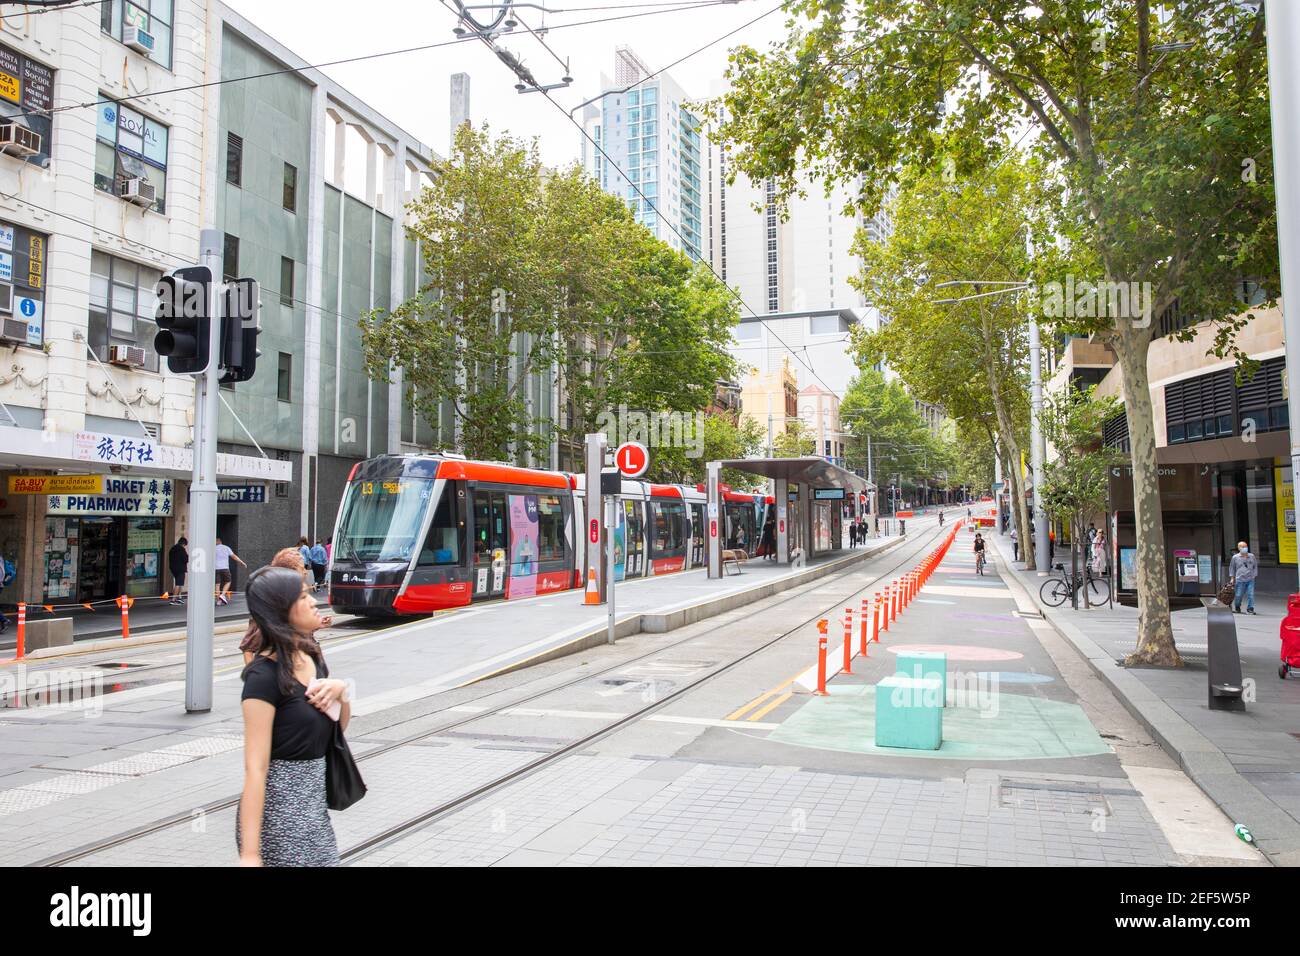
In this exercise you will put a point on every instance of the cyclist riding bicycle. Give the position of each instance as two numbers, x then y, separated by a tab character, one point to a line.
979	553
940	517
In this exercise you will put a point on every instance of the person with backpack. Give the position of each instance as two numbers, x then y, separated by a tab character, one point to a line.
291	708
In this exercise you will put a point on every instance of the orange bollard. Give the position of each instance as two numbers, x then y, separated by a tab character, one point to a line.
848	640
821	657
22	631
882	616
875	620
865	603
126	623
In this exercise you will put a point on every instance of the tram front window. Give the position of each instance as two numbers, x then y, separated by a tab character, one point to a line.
382	519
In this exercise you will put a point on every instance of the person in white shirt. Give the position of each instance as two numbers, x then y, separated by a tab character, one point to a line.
224	556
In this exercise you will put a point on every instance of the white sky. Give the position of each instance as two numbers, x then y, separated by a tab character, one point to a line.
413	89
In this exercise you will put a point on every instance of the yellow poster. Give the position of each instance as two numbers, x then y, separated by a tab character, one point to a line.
56	484
9	87
1284	496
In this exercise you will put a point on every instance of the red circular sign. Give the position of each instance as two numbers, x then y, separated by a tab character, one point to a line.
632	459
595	531
782	525
713	528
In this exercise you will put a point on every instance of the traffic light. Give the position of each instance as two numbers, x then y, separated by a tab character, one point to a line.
239	330
183	323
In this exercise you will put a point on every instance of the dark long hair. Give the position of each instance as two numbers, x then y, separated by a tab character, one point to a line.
270	594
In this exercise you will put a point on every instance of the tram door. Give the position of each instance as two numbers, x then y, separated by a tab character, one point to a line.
491	543
634	538
697	535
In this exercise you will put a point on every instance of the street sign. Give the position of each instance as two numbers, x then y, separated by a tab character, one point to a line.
56	484
632	459
903	514
594	531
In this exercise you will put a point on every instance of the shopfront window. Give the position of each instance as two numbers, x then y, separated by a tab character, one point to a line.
1261	515
143	556
130	145
122	304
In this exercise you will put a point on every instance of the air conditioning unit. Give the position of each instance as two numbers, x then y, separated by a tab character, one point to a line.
17	140
13	330
6	298
132	355
136	190
138	39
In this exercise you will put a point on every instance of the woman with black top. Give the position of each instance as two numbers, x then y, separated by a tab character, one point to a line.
288	726
979	553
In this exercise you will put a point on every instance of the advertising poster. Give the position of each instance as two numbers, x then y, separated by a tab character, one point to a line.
620	548
523	546
1284	500
1128	569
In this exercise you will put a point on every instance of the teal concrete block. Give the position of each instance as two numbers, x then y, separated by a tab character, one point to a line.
909	713
926	664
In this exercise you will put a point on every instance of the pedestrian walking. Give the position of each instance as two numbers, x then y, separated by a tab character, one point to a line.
767	541
853	534
318	561
290	706
178	562
1015	545
224	555
1243	569
1098	552
289	558
304	548
329	550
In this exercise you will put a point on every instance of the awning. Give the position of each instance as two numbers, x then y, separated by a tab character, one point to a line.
814	472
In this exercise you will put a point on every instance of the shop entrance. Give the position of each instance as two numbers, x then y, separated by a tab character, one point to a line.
99	559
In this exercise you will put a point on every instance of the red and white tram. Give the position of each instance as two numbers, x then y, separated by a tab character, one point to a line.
419	533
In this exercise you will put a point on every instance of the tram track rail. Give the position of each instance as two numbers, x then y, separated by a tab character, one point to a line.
358	850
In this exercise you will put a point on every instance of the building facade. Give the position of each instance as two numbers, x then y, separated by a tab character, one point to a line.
1221	432
651	152
141	125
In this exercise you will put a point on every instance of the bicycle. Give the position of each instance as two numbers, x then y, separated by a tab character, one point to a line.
1055	591
979	562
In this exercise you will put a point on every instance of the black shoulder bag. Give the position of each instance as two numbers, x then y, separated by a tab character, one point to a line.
343	783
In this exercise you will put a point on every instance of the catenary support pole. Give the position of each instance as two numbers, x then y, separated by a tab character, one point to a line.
1283	18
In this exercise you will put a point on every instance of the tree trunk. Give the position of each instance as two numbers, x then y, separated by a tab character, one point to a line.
1155	644
1019	514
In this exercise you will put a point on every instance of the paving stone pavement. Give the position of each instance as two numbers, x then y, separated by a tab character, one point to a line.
717	815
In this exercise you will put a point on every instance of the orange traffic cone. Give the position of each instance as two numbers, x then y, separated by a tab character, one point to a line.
593	593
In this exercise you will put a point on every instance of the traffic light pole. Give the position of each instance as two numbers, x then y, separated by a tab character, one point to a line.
203	497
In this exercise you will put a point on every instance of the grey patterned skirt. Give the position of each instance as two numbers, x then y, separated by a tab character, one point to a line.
296	828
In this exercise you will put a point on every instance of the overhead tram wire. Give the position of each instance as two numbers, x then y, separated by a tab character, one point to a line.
147	94
647	200
42	9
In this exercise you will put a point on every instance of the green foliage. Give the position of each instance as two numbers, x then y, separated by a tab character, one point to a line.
796	441
535	271
1076	481
722	439
901	441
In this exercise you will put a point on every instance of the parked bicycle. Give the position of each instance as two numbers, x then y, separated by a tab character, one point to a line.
1056	590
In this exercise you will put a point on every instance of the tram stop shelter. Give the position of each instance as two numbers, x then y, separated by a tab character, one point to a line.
811	495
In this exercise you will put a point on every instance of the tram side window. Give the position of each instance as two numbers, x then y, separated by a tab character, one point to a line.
550	528
668	525
442	546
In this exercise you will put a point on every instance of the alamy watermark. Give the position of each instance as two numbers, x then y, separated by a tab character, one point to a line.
1085	299
655	429
23	688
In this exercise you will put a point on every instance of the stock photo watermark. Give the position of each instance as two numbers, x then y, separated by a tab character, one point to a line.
655	429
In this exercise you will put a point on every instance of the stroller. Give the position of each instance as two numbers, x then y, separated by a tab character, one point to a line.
1290	634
